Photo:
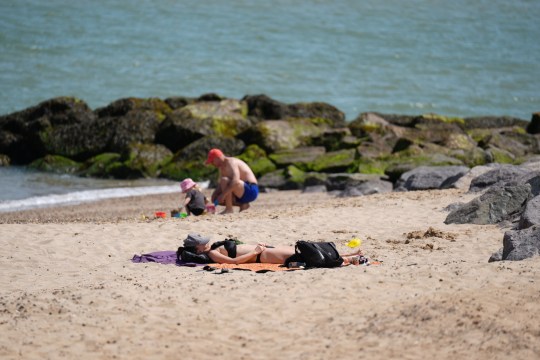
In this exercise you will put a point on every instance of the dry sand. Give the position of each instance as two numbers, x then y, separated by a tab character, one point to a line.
69	290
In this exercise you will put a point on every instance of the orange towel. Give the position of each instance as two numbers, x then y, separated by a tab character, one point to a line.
257	267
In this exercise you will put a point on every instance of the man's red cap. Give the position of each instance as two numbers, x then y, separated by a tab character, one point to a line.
212	154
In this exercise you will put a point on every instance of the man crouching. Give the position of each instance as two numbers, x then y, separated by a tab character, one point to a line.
237	185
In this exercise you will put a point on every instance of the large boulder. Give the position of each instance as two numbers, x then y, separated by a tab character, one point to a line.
63	126
464	182
430	177
275	135
336	139
491	122
534	126
55	164
498	204
273	180
521	244
369	187
446	134
177	102
399	165
206	118
531	214
101	166
257	160
500	174
146	160
531	178
379	137
515	142
320	113
334	161
138	161
342	181
131	120
300	157
265	108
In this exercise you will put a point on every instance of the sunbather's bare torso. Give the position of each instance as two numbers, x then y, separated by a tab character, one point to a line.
270	255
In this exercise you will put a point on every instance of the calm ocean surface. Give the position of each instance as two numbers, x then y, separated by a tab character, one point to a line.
455	58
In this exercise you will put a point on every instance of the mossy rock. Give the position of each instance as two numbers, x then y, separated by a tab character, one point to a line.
300	157
334	161
273	180
340	181
257	160
99	165
226	118
122	107
59	126
336	139
473	157
449	135
263	107
512	140
500	156
56	164
219	118
4	160
147	159
275	135
318	113
180	170
431	118
295	177
480	136
371	166
493	122
377	148
315	178
367	124
401	164
252	152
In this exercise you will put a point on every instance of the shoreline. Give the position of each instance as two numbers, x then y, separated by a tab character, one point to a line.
70	290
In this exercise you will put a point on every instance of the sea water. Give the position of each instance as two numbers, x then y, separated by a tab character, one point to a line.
455	58
23	189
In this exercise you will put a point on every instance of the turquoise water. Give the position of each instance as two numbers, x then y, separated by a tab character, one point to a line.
455	58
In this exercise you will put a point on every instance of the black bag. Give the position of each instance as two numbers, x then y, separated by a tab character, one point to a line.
316	254
184	255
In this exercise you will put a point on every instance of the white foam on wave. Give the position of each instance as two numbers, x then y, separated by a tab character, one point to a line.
79	197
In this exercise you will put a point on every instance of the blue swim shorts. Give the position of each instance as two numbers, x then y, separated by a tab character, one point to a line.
251	191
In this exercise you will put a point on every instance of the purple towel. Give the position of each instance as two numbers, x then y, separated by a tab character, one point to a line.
162	257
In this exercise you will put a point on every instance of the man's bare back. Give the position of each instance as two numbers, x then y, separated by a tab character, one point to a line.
232	166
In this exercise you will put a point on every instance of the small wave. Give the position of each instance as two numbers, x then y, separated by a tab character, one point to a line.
79	197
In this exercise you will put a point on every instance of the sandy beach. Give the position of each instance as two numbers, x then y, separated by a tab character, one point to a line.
69	289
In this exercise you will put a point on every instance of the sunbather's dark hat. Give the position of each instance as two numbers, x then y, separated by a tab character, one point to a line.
195	239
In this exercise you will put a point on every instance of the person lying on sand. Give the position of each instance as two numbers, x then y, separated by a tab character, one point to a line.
227	252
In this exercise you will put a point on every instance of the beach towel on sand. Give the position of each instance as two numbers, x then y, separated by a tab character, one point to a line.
162	257
169	257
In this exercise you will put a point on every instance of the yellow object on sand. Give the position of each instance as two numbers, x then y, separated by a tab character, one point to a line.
355	242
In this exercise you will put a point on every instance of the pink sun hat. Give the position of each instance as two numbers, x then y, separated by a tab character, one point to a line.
187	184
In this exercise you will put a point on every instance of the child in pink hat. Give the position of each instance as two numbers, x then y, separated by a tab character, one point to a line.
195	201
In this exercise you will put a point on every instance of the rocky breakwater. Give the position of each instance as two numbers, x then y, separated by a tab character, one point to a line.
306	146
509	195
